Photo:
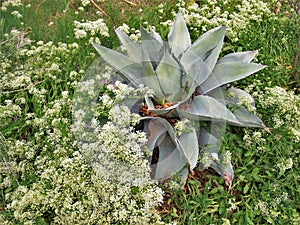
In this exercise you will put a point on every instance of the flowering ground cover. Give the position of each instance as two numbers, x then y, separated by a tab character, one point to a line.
69	157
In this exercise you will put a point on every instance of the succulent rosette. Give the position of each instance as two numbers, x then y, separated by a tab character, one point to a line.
189	83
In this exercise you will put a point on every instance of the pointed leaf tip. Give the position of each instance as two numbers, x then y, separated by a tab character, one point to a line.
156	36
179	36
246	57
131	47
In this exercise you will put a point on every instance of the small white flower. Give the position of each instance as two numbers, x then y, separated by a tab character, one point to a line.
40	43
214	156
16	14
75	45
80	34
65	94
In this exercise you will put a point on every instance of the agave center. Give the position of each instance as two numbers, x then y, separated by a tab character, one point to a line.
145	111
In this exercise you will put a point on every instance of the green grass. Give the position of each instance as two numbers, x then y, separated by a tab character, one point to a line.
259	186
257	180
276	43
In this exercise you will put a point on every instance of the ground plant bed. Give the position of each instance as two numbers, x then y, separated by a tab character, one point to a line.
149	112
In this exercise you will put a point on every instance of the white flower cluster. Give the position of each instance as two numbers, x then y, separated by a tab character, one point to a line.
183	126
247	102
123	91
285	164
114	149
226	157
91	29
87	2
118	160
57	179
226	221
285	107
121	191
207	15
270	211
9	3
232	206
16	14
254	137
42	63
134	34
125	28
121	116
271	207
208	158
284	123
9	112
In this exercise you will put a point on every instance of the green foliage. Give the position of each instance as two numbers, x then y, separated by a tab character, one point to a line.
277	46
44	179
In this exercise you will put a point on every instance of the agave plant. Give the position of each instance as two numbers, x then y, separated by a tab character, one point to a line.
189	82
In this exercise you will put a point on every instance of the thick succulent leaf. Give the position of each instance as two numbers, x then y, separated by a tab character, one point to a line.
239	94
238	57
208	140
170	112
188	142
211	145
130	69
156	36
156	133
134	72
149	102
201	47
200	59
134	104
164	123
230	95
131	47
205	69
151	47
248	119
179	36
152	108
169	75
208	109
150	77
226	170
170	161
228	72
174	153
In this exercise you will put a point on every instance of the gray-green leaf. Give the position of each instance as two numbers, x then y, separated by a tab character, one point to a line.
202	45
238	57
130	69
151	46
169	75
131	47
228	72
179	36
200	59
208	109
247	118
188	142
170	161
